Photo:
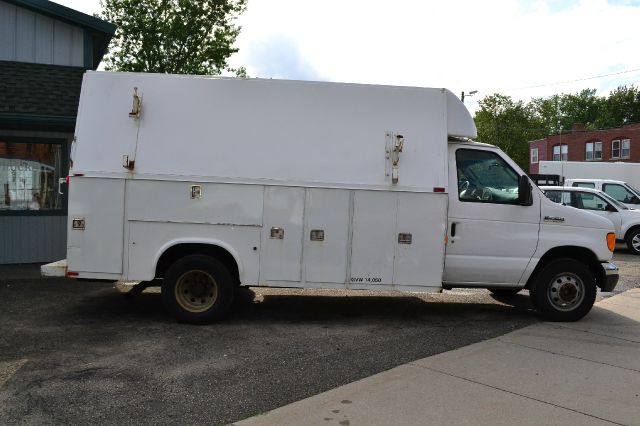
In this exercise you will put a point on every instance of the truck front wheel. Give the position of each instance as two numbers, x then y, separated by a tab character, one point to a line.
564	290
197	289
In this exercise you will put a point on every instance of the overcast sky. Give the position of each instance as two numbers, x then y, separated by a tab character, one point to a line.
514	47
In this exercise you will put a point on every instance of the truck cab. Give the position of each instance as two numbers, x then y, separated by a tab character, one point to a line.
506	235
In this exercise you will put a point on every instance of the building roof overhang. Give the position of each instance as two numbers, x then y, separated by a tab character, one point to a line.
101	31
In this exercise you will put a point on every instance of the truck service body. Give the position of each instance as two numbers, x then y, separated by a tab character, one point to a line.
203	184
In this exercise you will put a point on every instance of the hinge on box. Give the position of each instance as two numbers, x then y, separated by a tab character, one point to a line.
126	163
136	108
394	146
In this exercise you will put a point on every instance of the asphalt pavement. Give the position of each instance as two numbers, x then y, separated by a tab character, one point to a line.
80	352
582	373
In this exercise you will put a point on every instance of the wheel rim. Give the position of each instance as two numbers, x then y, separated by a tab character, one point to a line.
566	292
196	291
635	242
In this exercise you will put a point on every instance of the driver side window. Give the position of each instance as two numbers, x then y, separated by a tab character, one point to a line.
484	177
587	201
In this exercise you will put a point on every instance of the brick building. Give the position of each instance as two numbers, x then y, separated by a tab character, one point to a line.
608	145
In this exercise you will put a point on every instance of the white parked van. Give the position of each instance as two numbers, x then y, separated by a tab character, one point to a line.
618	190
619	170
203	184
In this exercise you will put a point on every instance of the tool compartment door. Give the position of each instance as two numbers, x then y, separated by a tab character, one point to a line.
373	246
281	239
100	203
398	239
421	229
326	235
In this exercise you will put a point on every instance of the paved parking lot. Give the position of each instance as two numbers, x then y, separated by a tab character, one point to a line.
80	352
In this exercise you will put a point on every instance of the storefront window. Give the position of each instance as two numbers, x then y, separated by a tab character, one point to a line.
29	174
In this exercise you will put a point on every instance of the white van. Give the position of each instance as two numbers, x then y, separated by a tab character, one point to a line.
202	185
616	189
619	170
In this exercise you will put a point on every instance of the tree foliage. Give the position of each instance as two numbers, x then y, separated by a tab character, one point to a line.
508	124
172	36
511	124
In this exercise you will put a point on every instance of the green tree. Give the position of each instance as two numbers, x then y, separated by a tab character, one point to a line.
582	107
547	113
621	107
509	124
561	112
172	36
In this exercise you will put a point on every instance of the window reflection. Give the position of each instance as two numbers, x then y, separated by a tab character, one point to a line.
29	174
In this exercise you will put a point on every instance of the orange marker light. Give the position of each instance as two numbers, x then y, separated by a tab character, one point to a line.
611	241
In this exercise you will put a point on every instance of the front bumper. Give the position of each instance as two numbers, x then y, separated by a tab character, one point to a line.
611	276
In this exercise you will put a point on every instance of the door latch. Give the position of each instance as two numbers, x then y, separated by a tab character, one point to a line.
276	233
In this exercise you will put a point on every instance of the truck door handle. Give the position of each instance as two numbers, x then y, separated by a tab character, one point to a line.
453	229
60	182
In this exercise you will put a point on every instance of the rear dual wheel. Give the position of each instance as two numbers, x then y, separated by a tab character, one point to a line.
197	289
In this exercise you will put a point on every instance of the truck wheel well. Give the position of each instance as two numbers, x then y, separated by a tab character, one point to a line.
580	254
179	251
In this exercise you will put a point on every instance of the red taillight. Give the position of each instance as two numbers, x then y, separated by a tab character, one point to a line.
67	179
72	274
438	189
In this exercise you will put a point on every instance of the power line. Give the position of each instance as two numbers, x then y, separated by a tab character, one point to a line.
576	80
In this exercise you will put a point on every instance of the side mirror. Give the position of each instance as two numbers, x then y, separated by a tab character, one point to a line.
525	197
610	208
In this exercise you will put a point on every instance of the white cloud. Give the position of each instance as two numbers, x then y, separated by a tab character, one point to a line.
489	46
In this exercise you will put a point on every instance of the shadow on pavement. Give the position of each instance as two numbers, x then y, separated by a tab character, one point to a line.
148	307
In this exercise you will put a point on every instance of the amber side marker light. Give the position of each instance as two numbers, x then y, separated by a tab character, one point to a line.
611	241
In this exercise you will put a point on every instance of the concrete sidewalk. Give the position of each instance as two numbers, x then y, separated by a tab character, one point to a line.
585	373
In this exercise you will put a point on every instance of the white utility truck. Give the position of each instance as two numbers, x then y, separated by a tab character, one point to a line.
626	172
203	184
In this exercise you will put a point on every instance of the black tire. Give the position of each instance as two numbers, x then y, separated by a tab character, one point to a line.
198	289
564	290
633	241
505	292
